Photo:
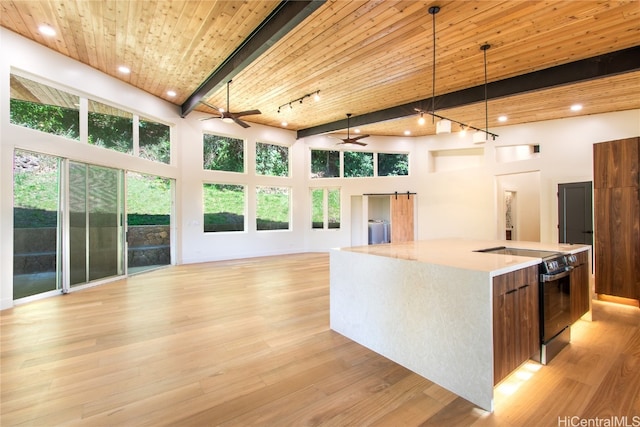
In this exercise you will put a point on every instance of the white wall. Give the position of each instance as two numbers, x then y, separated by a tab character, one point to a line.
454	203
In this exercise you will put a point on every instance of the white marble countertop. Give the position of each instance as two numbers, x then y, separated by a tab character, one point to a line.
461	253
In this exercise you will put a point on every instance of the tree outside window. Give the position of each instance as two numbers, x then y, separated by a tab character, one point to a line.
154	141
272	159
358	164
393	164
223	153
325	164
110	127
40	107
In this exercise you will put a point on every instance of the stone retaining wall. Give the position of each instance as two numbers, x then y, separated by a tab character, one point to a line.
35	248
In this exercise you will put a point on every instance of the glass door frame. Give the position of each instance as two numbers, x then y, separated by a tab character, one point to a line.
66	231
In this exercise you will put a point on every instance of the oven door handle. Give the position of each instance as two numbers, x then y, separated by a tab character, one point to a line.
552	277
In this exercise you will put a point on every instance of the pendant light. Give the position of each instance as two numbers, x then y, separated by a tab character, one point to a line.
480	137
443	125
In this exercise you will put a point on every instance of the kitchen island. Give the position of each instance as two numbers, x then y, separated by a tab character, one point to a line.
428	306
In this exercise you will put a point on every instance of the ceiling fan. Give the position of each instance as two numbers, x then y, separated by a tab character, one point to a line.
348	139
227	116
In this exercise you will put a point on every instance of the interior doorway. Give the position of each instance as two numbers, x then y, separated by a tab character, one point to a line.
518	206
575	213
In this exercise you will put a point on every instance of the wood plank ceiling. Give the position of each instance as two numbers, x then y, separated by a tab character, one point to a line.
363	57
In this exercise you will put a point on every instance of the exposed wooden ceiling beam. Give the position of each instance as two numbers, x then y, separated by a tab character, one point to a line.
610	64
283	19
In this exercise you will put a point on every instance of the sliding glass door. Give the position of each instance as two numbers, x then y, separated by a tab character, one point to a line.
70	223
96	229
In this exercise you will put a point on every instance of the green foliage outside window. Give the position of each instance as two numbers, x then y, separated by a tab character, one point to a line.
46	118
393	164
333	207
224	207
272	159
325	164
358	164
317	208
272	208
110	127
154	141
223	153
112	132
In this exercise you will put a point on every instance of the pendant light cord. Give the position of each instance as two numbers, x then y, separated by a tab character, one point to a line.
433	10
433	82
484	48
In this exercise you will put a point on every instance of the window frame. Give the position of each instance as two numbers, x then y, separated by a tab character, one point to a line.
244	153
326	225
244	208
255	159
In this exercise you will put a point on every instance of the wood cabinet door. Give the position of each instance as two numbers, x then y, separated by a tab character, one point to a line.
516	327
580	294
529	321
615	163
402	222
505	330
617	241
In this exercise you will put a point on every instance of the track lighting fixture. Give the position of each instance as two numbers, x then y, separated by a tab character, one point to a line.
443	126
316	97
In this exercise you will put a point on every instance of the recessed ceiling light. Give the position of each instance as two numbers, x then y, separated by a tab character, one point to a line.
576	107
502	118
285	124
171	93
47	30
407	132
124	70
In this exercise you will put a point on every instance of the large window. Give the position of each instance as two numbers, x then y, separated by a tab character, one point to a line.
272	159
41	107
110	127
148	221
325	208
393	164
325	164
272	208
223	153
224	207
358	164
38	106
154	141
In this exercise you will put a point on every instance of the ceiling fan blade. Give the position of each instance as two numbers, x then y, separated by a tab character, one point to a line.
355	138
213	107
240	122
247	113
351	141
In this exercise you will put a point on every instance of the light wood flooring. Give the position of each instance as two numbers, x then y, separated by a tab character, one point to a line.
247	343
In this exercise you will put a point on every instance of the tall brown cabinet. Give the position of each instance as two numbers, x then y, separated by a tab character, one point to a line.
616	181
